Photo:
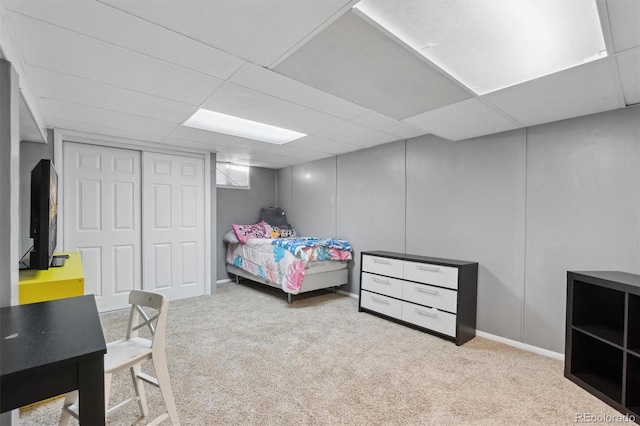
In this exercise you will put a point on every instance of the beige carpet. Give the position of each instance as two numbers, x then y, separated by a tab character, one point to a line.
245	357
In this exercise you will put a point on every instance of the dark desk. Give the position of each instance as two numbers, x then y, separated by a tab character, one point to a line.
50	348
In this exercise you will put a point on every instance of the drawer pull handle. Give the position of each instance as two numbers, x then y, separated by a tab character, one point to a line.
382	261
377	299
427	290
378	280
428	314
428	268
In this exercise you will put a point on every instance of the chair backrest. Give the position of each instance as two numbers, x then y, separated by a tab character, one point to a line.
140	318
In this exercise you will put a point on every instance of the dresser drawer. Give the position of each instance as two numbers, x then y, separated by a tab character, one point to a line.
382	265
444	276
382	304
385	285
434	297
433	319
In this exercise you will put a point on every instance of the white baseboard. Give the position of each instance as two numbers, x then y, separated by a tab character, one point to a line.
227	280
509	342
355	296
520	345
488	336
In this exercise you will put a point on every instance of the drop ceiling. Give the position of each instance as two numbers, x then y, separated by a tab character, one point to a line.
135	71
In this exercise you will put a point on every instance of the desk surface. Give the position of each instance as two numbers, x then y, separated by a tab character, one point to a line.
43	335
72	269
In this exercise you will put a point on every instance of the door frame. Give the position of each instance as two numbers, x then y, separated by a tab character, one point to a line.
58	158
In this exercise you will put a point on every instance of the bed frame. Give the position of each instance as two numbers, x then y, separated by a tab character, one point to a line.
312	281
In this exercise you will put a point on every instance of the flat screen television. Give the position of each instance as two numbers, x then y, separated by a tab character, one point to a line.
44	214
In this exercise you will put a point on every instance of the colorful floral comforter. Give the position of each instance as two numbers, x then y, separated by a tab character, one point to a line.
283	261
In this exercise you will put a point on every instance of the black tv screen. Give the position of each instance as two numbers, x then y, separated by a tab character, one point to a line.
44	214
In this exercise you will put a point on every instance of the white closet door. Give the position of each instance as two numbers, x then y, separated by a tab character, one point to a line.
173	229
102	219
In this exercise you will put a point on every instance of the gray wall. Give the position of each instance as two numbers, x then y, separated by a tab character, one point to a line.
9	186
371	202
313	189
241	206
583	211
528	205
466	200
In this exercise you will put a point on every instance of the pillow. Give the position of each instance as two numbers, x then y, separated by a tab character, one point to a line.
285	232
230	237
273	216
267	229
244	232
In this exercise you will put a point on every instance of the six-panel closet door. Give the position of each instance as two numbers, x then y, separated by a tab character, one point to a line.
102	219
137	219
173	226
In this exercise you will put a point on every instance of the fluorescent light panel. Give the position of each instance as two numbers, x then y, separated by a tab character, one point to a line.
488	45
236	126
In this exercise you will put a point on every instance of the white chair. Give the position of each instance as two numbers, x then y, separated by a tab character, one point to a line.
131	353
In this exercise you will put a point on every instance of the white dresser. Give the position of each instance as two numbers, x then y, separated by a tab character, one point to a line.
434	295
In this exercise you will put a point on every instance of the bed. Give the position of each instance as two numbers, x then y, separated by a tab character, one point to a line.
277	256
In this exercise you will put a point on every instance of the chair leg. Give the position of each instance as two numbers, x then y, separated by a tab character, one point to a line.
70	399
162	374
139	387
107	393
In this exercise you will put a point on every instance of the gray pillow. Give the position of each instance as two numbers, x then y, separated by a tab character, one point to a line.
274	216
230	237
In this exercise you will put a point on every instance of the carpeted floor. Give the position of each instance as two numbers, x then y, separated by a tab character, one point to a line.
245	357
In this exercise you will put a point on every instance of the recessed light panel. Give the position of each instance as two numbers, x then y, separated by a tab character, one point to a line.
236	126
488	45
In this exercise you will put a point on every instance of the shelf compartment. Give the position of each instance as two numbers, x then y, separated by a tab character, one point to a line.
633	383
599	311
633	331
598	364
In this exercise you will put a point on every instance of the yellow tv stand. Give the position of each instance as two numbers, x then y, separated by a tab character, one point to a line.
54	283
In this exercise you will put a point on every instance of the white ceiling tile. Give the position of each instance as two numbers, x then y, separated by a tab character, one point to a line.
64	87
329	146
578	91
491	36
99	21
100	132
270	160
294	152
257	31
53	109
64	51
629	69
356	134
624	16
252	105
464	120
256	162
217	140
355	61
274	84
229	156
389	125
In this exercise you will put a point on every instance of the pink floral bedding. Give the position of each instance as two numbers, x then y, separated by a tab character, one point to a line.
266	259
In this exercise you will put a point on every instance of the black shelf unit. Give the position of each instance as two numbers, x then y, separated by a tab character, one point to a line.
602	342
